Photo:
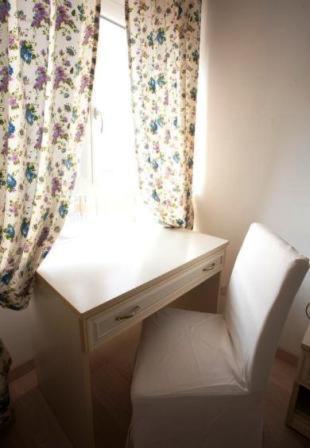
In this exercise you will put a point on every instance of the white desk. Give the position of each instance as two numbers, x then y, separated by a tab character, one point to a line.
98	284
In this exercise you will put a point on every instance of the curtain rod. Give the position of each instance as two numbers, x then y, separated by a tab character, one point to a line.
112	21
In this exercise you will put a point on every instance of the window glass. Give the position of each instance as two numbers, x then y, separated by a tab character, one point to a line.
107	184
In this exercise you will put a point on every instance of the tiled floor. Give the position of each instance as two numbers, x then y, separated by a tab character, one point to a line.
36	427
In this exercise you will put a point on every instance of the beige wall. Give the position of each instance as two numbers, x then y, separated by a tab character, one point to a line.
257	163
15	331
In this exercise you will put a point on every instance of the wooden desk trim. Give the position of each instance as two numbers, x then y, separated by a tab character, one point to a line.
149	309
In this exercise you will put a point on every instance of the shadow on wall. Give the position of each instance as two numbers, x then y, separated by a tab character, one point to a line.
16	331
256	166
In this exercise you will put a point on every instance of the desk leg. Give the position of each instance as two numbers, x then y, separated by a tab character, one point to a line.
62	366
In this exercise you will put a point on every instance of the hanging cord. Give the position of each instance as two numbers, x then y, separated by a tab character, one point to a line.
308	310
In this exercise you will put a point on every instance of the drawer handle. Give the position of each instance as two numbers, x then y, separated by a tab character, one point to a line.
129	315
210	267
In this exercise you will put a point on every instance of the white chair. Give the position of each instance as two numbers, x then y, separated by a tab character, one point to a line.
199	378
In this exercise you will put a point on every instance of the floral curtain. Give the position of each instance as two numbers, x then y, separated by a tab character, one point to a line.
163	39
47	57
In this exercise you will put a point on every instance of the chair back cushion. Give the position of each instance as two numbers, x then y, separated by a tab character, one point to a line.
265	278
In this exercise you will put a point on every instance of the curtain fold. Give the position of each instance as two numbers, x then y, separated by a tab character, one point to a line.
47	58
163	40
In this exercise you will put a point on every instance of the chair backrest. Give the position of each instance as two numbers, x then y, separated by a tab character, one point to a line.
265	278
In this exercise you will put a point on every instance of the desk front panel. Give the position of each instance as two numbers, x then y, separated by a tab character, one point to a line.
99	328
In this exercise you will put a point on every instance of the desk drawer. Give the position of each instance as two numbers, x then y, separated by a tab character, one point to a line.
138	306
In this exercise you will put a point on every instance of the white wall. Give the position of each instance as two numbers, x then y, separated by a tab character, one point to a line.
257	163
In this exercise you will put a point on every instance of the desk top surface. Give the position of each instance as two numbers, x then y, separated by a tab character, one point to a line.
98	266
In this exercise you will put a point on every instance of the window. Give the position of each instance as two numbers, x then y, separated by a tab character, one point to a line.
107	183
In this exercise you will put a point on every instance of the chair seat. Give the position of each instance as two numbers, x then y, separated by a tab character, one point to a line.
186	353
185	377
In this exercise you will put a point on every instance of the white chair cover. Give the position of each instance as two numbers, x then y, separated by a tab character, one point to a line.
199	377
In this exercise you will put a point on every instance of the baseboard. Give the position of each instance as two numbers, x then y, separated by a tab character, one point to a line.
287	357
21	370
